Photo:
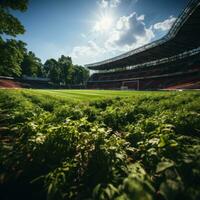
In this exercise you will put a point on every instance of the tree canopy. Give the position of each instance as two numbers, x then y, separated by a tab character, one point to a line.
52	70
31	65
11	57
9	24
79	75
63	72
11	51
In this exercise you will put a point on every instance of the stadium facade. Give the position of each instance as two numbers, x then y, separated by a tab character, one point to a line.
172	61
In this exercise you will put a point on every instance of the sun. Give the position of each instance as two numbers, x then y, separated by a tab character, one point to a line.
104	23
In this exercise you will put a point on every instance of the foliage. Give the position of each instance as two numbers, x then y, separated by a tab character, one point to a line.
143	147
52	70
11	51
11	57
65	64
14	4
31	65
63	72
79	75
9	24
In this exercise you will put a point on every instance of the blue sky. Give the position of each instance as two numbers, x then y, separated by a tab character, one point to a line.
94	30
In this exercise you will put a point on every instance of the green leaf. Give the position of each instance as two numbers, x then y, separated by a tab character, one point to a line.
161	143
164	165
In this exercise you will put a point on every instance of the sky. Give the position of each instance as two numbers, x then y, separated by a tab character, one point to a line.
94	30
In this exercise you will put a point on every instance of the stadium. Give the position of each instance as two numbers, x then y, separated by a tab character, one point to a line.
128	131
171	62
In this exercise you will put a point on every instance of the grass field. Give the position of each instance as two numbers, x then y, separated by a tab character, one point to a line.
87	95
95	144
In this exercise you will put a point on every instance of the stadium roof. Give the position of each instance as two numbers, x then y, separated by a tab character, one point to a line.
183	36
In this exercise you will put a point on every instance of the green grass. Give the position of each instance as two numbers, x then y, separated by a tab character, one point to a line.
89	95
101	145
85	94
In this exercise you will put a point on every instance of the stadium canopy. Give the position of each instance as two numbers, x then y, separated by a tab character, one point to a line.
182	37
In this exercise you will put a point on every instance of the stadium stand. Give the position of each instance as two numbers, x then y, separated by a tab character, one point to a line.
25	82
34	83
172	61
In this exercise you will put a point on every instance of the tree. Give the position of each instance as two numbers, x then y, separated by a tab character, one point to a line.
66	67
64	72
11	51
31	65
80	75
11	56
9	24
52	70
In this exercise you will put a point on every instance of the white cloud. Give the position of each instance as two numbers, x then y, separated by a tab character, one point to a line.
114	3
109	3
103	3
141	17
165	25
103	25
130	32
86	52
